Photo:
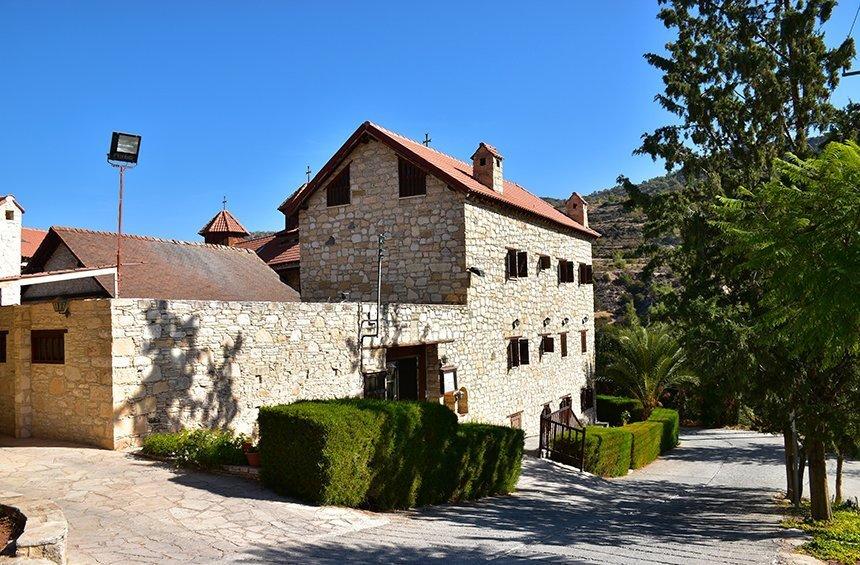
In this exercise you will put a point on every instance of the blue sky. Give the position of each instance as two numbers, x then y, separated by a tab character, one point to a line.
237	98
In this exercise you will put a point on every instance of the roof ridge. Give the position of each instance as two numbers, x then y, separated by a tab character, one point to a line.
427	147
149	238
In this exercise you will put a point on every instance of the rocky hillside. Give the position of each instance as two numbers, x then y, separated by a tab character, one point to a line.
617	264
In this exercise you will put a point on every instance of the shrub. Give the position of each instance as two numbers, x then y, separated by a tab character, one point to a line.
383	455
671	427
610	408
205	448
607	451
488	460
645	447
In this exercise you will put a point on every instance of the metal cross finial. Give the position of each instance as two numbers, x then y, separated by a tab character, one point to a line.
427	140
308	173
224	203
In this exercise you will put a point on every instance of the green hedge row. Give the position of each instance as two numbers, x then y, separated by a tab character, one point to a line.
607	451
646	439
610	452
671	427
204	448
610	409
383	455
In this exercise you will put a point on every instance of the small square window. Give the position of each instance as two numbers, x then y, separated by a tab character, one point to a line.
565	271
413	181
516	264
10	214
483	161
544	262
516	420
337	191
518	352
547	345
48	346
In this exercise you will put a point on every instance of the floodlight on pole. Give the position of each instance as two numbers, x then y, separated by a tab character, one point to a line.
123	153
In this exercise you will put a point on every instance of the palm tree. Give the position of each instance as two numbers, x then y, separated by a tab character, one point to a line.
645	362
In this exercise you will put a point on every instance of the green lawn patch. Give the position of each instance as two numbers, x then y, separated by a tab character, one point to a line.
837	541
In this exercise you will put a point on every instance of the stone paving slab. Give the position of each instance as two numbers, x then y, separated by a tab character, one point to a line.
709	501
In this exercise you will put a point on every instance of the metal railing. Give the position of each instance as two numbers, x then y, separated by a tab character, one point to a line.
562	437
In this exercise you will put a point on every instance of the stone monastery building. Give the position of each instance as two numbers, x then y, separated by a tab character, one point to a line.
482	300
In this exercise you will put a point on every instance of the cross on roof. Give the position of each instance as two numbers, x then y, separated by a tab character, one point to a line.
224	203
308	173
427	140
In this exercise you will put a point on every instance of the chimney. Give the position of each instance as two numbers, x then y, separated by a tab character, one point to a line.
577	209
487	167
10	247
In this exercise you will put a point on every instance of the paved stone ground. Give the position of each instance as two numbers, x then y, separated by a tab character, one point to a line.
708	501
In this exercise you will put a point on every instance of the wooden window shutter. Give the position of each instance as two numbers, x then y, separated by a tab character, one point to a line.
3	339
522	264
513	353
570	278
511	264
583	336
524	351
589	274
413	181
337	191
47	346
561	271
562	338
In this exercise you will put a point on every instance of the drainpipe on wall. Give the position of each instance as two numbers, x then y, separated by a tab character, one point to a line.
368	324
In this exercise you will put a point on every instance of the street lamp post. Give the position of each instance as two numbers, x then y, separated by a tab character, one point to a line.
124	150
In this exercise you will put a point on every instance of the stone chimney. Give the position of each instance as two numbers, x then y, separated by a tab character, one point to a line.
577	208
10	247
487	167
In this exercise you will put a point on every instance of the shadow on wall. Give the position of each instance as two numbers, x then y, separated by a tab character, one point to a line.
184	384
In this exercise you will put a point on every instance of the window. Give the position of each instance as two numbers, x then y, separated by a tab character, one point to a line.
562	338
516	264
586	274
10	214
544	262
583	337
483	161
516	420
586	398
48	346
3	335
518	352
337	192
565	271
413	181
547	344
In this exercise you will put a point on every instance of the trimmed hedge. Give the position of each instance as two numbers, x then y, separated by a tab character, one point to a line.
671	427
610	408
645	446
488	461
204	448
607	451
383	455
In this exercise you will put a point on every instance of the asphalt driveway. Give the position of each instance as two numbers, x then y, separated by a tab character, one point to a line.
709	501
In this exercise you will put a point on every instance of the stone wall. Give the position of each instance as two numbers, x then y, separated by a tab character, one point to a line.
10	249
498	303
424	245
187	364
7	377
69	401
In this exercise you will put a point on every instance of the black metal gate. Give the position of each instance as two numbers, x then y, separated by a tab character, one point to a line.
562	437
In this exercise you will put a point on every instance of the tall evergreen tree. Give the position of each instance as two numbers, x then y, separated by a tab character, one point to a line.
747	81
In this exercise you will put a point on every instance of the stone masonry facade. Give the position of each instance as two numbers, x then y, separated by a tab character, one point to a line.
424	244
10	248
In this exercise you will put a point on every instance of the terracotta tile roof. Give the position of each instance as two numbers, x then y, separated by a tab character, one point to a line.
31	239
277	249
453	171
170	269
224	222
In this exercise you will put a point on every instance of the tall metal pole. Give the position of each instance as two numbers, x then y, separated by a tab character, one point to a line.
119	231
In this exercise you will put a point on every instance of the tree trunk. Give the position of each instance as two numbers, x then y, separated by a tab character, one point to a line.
801	468
819	496
839	461
790	464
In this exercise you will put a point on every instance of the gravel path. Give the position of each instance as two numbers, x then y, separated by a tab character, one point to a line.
709	501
